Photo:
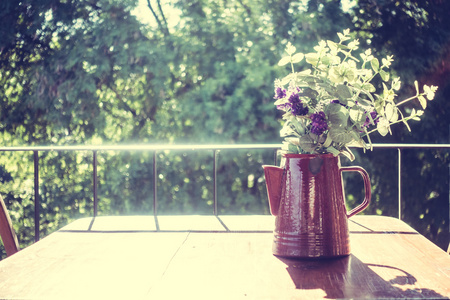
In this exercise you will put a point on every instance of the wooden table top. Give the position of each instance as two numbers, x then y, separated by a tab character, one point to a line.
225	257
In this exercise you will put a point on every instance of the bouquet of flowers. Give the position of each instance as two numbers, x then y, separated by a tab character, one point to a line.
334	105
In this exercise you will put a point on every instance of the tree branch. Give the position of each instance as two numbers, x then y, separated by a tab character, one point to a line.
163	17
149	4
122	101
163	28
247	9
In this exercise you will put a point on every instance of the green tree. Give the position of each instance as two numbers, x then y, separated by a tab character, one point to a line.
89	76
417	33
88	72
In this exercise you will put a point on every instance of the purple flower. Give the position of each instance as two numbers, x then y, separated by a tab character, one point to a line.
318	123
294	98
297	107
279	93
375	119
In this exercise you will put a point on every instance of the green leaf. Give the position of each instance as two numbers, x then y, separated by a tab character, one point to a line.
340	135
337	115
391	112
290	49
332	45
383	127
375	64
422	101
343	91
328	141
326	60
414	116
350	75
293	141
368	95
384	75
329	88
430	91
344	35
293	148
304	73
312	58
357	142
333	108
369	87
287	79
297	58
287	130
310	93
333	151
284	61
363	101
334	75
341	46
396	84
307	143
357	114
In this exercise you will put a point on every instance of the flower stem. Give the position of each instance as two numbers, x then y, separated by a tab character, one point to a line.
406	100
398	121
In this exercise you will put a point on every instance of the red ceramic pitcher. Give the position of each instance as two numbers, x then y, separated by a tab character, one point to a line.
307	197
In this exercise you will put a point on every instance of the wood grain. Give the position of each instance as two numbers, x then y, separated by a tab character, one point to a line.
226	257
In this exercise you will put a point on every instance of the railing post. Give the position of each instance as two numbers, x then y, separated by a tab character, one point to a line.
399	183
215	181
36	196
155	183
94	164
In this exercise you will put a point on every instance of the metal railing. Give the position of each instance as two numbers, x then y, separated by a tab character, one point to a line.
155	148
399	148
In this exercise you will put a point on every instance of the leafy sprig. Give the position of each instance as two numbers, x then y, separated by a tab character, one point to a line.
334	104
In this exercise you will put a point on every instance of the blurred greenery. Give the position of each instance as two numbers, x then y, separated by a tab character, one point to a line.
75	72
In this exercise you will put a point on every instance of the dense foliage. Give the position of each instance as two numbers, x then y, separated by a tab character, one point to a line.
333	104
90	72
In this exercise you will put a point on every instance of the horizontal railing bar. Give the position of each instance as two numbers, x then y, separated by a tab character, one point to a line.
161	147
139	147
406	146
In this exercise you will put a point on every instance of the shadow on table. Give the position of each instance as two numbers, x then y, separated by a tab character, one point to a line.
349	277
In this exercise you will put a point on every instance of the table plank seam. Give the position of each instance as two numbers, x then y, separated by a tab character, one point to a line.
166	231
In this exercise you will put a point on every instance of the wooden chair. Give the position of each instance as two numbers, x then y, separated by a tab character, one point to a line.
7	232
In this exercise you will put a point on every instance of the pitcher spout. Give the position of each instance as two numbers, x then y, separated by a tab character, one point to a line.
274	176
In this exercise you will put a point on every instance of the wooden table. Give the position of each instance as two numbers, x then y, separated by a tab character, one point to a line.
225	257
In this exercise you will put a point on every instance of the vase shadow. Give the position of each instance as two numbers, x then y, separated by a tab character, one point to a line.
349	277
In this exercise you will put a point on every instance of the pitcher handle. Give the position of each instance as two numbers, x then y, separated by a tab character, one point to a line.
367	188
